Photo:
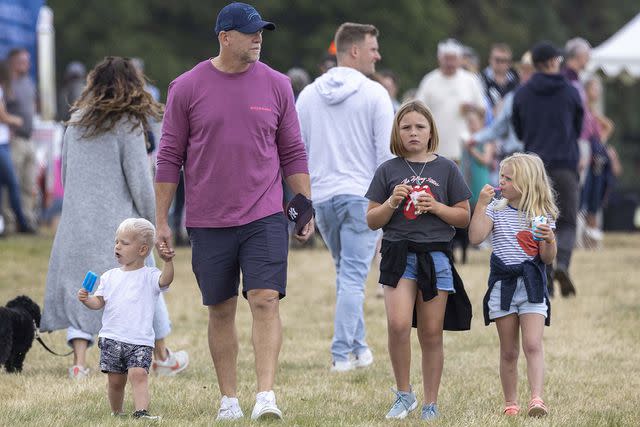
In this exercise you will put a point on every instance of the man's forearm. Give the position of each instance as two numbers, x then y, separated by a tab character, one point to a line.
164	196
299	183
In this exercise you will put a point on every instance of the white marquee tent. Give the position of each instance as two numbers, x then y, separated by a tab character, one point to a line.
619	56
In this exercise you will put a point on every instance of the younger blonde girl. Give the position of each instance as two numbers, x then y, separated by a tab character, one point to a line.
517	298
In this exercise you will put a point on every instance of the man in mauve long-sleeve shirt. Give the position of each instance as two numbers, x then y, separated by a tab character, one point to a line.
231	122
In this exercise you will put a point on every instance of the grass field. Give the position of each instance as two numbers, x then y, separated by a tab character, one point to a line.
592	352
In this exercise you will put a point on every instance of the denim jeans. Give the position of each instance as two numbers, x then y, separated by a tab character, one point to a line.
342	223
8	178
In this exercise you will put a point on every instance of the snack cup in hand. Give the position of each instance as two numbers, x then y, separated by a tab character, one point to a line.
534	226
415	196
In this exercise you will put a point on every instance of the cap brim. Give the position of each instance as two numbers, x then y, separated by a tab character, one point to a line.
254	27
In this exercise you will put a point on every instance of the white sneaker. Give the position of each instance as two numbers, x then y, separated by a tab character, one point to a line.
363	359
342	366
229	409
594	233
77	372
265	407
174	363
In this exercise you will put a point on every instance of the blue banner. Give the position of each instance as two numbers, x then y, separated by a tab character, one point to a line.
18	20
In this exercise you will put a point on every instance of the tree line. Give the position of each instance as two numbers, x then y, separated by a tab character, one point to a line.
172	36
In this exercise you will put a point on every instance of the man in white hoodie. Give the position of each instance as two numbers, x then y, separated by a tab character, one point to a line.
346	121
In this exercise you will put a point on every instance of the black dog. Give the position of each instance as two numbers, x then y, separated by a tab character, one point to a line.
17	331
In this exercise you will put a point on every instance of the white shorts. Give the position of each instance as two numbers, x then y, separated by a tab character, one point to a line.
519	304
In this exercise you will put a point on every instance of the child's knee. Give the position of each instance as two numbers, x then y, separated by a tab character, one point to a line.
399	329
137	375
116	381
532	348
430	338
510	355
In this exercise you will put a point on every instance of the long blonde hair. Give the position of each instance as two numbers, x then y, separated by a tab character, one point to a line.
532	181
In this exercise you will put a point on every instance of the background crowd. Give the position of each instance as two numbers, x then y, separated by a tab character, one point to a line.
473	106
540	103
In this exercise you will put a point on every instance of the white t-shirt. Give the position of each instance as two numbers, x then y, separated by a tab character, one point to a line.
4	128
444	95
511	237
130	300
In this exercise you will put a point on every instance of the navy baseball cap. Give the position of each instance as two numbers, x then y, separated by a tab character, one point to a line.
300	211
241	17
544	51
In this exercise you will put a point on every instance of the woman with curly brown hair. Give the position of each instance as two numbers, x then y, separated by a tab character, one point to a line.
107	178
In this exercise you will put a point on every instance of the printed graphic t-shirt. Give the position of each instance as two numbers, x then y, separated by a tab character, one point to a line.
440	177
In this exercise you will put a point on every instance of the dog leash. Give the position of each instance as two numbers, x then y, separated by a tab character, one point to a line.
39	339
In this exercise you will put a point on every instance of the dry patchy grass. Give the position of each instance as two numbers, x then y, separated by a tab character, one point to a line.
592	352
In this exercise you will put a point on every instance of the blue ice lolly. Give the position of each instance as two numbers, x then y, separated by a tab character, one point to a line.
89	281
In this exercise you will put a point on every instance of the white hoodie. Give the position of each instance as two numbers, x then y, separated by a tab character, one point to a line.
346	120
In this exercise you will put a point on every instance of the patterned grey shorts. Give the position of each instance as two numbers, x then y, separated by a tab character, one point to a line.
118	357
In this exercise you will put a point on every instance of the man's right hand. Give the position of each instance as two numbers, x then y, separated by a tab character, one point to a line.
164	236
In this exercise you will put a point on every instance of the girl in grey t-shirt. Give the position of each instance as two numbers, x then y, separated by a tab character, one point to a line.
417	197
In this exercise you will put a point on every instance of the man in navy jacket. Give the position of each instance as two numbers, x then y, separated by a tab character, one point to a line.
547	118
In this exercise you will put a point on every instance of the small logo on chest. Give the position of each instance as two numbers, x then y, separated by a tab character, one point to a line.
259	108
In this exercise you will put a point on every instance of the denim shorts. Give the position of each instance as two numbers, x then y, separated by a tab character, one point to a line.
444	276
118	357
258	249
519	304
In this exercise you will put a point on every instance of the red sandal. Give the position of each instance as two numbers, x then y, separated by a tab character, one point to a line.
511	410
537	408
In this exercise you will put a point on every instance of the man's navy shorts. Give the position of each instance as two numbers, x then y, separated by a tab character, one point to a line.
258	249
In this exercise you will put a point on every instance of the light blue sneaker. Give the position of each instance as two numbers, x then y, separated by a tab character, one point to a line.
430	412
405	403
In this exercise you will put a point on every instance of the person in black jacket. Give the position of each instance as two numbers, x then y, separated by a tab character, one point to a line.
547	118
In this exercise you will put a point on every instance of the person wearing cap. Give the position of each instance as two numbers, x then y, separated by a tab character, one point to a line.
346	119
450	92
547	117
231	122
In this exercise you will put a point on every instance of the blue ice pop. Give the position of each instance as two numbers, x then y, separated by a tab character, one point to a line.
89	281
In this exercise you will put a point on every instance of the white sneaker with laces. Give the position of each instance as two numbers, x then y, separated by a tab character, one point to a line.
77	372
265	407
229	409
173	364
363	359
